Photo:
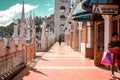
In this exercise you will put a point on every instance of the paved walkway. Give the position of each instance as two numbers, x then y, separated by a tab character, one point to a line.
62	63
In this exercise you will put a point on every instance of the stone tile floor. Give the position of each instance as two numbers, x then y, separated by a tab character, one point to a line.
62	63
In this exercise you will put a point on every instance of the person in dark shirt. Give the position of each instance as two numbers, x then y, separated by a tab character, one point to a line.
60	40
115	44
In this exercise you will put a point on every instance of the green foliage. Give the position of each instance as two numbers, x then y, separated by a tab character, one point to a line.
6	31
49	22
38	20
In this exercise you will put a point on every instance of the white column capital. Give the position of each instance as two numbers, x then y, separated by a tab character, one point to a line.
106	16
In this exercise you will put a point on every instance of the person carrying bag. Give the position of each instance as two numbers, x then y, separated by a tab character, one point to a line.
107	58
114	47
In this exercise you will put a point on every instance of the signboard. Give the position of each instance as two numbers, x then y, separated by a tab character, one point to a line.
104	9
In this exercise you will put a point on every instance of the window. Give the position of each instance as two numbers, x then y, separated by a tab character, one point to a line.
62	8
62	27
62	18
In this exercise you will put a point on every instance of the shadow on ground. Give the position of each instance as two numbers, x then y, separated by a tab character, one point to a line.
29	67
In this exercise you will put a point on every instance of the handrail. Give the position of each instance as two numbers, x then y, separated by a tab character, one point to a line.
10	53
11	62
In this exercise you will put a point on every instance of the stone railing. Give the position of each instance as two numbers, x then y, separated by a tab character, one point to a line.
10	63
46	42
12	57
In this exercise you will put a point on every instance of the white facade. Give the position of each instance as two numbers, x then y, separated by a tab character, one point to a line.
62	8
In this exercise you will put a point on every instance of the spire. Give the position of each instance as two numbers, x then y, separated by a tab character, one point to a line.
33	21
33	28
22	34
30	19
23	11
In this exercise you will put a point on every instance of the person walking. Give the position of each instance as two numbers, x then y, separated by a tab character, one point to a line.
60	41
114	46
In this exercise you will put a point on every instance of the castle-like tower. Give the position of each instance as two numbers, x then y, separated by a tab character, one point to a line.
62	8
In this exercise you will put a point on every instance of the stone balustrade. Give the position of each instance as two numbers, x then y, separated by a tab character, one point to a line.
45	42
12	56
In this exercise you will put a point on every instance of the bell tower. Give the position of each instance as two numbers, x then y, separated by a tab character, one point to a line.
62	8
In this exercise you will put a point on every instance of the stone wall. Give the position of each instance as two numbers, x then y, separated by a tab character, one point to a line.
10	48
14	55
30	52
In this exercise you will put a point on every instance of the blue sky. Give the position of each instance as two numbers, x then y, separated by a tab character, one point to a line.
11	9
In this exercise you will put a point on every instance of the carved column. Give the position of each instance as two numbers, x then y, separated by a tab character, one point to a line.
75	36
107	30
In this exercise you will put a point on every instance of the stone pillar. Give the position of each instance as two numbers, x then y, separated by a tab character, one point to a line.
71	39
67	34
107	30
65	38
28	34
88	35
89	43
33	31
15	33
28	29
75	37
71	35
43	37
79	41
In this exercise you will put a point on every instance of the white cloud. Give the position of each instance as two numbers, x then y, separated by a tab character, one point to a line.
50	9
8	15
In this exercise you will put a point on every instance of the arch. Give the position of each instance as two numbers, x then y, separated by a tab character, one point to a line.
62	17
62	8
62	27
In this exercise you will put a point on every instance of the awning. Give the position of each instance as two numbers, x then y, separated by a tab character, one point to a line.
84	9
85	17
87	4
79	10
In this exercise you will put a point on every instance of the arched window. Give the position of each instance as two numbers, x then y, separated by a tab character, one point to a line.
62	17
62	27
62	8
